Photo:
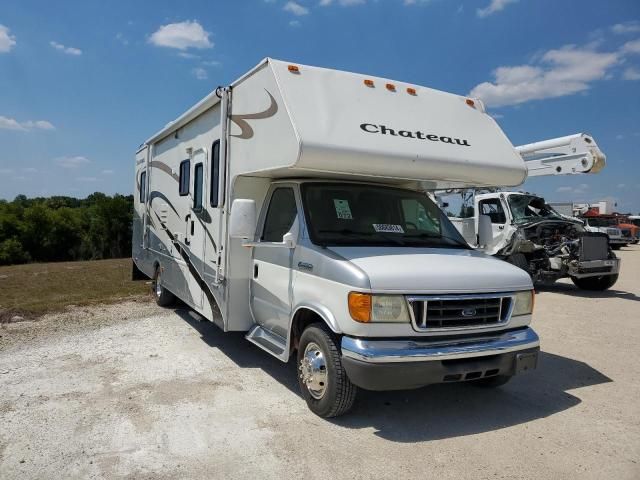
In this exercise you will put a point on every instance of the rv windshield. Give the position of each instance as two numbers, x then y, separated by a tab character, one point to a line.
365	215
528	208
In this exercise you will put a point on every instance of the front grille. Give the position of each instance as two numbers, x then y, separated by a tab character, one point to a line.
459	311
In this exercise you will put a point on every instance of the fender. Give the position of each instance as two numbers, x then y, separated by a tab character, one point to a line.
323	312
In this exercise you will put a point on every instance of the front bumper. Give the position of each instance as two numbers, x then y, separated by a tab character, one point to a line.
403	364
594	268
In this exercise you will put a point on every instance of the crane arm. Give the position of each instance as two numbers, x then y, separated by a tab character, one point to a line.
568	155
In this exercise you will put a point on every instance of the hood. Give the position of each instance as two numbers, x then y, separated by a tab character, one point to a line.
434	270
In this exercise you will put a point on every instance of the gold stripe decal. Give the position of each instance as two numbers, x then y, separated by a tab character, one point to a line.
241	120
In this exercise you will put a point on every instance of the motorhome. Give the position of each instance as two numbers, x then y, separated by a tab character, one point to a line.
291	205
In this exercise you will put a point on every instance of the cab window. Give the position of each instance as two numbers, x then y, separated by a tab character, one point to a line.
280	216
493	208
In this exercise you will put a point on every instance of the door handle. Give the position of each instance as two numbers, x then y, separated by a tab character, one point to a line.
501	227
255	270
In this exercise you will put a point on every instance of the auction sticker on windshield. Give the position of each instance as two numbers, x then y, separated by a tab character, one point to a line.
342	209
387	228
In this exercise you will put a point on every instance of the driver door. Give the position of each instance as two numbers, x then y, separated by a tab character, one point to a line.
494	209
271	288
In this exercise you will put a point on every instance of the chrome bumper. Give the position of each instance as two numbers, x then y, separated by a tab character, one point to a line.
394	351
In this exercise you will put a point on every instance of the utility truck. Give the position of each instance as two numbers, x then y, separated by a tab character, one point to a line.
526	231
291	205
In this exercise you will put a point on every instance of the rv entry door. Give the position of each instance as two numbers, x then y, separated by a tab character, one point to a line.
195	225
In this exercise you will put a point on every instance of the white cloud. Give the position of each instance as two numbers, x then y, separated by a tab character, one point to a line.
182	35
7	41
295	23
72	162
418	2
631	74
86	179
296	9
619	136
68	50
30	170
621	185
493	7
497	115
347	3
555	73
211	63
6	171
122	39
189	56
200	73
107	172
7	123
631	47
578	190
626	27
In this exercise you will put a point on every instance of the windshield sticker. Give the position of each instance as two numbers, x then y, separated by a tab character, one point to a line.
342	209
387	228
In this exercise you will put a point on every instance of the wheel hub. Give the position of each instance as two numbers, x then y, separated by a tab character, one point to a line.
313	370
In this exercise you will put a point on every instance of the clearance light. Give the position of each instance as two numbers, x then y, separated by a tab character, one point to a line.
360	307
391	87
294	69
411	91
470	102
369	83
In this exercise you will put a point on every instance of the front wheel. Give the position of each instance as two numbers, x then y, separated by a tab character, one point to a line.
323	381
601	283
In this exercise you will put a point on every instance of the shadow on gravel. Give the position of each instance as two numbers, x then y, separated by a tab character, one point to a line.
434	412
573	291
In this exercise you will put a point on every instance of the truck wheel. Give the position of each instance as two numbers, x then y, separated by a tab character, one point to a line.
164	297
491	382
601	283
322	378
616	246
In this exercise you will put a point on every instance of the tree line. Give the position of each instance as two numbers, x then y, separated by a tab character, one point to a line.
65	228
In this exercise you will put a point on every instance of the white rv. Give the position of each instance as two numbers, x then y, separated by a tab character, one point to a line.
290	205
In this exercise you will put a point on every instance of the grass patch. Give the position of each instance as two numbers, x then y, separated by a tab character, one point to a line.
35	289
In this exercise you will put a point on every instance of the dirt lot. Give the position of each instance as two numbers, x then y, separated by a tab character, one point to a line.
134	391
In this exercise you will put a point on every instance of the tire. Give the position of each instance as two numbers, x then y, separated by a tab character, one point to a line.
601	283
323	381
492	382
164	297
616	246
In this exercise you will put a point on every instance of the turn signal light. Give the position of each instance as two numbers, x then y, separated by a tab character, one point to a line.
293	69
360	307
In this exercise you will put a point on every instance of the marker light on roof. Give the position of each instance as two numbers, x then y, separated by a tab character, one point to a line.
470	102
411	91
391	87
368	83
294	69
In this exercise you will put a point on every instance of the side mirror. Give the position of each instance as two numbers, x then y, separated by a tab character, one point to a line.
485	233
290	239
242	222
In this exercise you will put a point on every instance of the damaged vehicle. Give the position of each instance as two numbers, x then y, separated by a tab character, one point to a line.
525	231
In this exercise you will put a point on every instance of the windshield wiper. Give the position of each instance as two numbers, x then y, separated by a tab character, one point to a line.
440	237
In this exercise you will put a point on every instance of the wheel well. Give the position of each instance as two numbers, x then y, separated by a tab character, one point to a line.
302	319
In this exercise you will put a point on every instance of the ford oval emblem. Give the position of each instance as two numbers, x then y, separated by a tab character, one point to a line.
468	312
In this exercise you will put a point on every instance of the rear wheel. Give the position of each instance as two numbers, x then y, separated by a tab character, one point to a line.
163	297
601	283
323	381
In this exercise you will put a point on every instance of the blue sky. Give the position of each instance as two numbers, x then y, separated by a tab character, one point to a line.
83	83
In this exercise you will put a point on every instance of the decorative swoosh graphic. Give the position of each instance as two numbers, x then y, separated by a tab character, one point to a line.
241	120
165	168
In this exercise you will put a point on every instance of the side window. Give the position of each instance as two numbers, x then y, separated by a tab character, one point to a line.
493	208
215	173
143	186
197	186
280	216
185	172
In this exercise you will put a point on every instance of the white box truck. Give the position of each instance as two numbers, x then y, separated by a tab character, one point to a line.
290	205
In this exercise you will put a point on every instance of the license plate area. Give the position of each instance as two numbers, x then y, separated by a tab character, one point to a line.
526	361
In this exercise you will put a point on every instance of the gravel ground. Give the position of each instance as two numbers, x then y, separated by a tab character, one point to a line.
135	391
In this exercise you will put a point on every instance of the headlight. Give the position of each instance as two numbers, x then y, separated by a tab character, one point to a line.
523	303
367	308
